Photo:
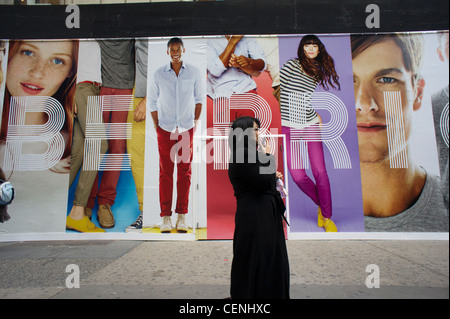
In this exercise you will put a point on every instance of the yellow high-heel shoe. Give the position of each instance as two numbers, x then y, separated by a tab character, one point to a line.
83	225
319	217
329	226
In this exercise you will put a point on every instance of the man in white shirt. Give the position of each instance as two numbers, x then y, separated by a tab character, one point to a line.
175	101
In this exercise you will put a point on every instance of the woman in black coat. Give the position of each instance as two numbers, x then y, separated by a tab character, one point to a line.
260	267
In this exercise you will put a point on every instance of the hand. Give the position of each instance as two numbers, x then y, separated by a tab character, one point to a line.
62	167
239	61
265	148
154	115
279	175
195	126
140	111
242	61
232	62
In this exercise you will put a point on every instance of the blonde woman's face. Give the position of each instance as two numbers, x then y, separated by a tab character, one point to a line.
39	68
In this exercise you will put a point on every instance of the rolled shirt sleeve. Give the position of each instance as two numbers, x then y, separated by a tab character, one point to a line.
153	94
223	81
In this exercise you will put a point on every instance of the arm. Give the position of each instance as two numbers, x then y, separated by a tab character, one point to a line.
139	112
199	93
153	94
252	67
218	60
253	62
155	118
229	49
254	175
288	71
198	111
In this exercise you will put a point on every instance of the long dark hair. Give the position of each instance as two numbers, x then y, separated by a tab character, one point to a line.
321	67
242	144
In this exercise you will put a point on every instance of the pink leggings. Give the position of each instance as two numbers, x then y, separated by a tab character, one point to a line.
319	192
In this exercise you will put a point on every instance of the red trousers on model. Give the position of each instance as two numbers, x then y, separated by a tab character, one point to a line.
174	147
106	193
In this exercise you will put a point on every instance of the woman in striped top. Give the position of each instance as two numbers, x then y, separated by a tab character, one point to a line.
299	79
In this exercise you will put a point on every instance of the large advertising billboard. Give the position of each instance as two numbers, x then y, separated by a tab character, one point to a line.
128	138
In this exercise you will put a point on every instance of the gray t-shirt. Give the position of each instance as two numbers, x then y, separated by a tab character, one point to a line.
141	68
439	102
428	214
118	64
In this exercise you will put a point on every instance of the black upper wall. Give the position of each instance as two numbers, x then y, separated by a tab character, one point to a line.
222	17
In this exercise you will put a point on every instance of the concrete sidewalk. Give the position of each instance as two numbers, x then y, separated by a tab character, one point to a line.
201	270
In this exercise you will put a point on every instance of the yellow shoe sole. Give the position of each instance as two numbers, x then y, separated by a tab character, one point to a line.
83	225
330	227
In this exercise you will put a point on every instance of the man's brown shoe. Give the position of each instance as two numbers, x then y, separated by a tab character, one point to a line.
105	216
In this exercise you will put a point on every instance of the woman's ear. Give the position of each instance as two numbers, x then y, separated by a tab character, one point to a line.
420	86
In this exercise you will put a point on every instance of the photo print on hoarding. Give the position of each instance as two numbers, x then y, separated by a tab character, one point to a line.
174	171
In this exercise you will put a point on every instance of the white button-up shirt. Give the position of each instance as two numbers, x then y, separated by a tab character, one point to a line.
175	97
223	81
89	61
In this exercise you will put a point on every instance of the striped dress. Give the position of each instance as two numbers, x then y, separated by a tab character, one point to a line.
297	89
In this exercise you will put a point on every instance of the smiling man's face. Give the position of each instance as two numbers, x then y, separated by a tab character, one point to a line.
175	52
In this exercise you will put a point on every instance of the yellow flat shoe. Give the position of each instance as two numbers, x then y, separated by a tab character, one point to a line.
329	226
83	225
319	217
